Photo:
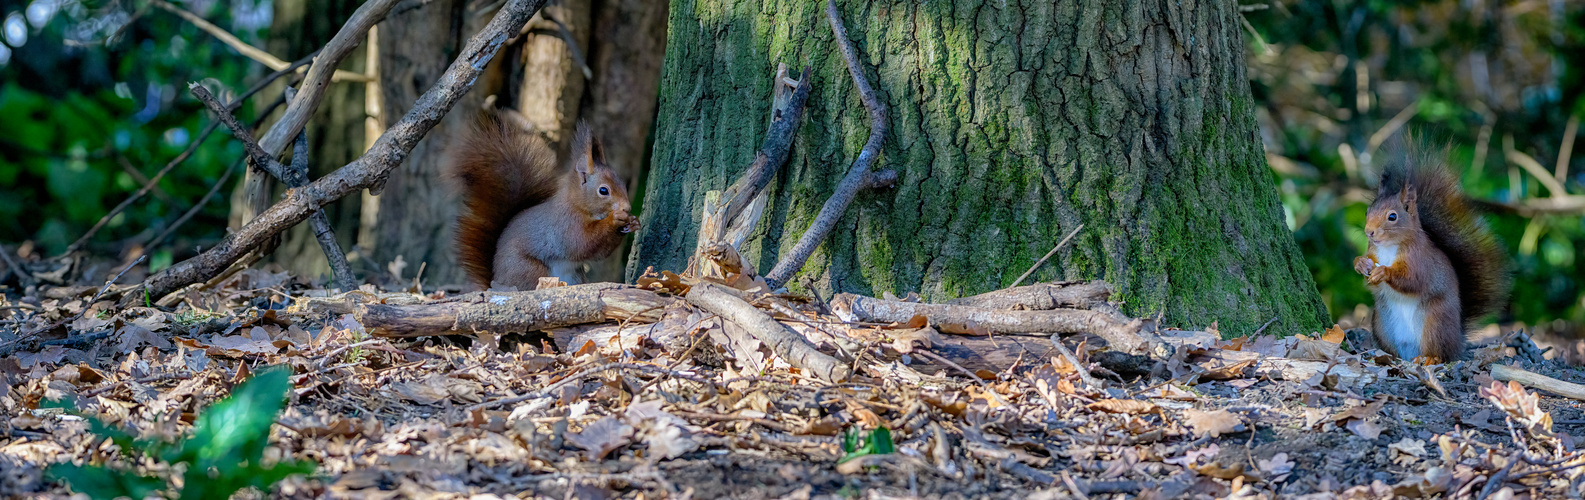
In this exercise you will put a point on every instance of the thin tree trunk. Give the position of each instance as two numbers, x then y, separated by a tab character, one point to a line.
1012	123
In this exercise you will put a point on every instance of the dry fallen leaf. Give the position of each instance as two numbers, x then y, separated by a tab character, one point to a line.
1221	370
1277	465
1523	406
1213	423
601	437
1334	335
1364	429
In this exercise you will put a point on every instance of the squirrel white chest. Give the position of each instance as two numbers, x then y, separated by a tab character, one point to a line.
1399	316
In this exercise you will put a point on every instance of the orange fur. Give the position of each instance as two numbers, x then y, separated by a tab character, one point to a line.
524	212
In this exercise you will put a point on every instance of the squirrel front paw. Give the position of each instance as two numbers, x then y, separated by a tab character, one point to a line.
1377	275
1363	265
631	225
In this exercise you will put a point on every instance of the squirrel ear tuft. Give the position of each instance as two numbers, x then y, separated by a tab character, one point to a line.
582	150
1409	198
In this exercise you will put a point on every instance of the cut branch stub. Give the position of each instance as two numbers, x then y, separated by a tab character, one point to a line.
789	345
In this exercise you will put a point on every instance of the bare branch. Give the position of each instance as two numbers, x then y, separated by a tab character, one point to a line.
368	170
1553	187
261	158
322	229
832	211
792	347
257	54
312	90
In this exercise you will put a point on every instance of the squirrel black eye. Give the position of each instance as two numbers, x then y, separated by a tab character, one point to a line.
604	191
1393	216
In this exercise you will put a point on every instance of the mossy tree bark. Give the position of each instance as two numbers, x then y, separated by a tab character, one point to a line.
1012	123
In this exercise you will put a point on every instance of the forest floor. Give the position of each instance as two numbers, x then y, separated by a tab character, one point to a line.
429	417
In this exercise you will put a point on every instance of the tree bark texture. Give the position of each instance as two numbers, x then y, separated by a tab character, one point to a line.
1012	123
335	135
418	206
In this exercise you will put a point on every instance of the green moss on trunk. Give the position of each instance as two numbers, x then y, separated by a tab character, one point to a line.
1012	123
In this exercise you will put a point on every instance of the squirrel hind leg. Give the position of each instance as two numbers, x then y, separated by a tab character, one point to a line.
519	271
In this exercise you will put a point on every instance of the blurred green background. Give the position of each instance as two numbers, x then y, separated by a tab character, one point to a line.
1496	82
93	101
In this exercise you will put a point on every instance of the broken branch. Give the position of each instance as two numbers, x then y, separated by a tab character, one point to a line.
1042	296
784	342
1538	381
855	179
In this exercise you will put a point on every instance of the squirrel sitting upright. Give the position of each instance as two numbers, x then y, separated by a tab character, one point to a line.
524	217
1432	262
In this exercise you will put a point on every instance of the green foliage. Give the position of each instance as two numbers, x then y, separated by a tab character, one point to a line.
224	454
1479	78
856	443
88	115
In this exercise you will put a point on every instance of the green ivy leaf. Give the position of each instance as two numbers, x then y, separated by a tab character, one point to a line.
104	483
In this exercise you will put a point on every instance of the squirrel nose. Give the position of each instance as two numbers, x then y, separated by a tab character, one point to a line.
1370	234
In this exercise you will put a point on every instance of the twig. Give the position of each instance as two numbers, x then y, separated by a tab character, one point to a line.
151	378
846	190
23	342
1084	372
321	224
257	54
219	183
1566	149
13	267
767	423
1048	255
1553	187
572	46
294	177
259	157
1497	479
202	136
369	170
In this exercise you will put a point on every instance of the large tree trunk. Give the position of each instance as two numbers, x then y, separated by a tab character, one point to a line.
1012	124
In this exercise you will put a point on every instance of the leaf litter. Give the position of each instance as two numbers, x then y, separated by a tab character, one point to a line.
527	416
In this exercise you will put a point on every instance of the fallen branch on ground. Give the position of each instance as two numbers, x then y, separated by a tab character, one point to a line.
1538	381
792	347
1123	334
514	312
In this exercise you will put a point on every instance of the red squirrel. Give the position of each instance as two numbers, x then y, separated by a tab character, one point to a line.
525	217
1432	263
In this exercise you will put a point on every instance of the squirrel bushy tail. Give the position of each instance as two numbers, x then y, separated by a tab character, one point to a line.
504	170
1454	225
